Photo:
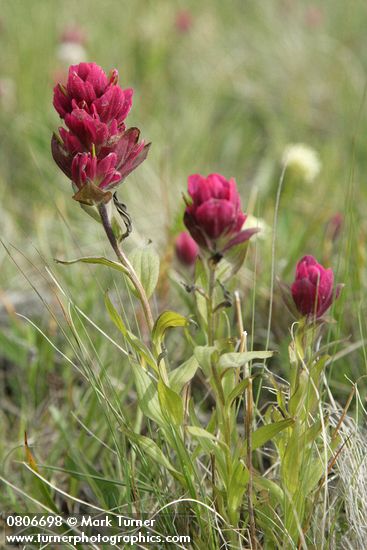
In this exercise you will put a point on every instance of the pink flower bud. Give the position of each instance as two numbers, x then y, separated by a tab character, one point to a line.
73	34
334	226
214	217
183	21
313	289
186	249
314	17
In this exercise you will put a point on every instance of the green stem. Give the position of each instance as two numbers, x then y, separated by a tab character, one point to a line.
211	328
126	263
248	431
210	304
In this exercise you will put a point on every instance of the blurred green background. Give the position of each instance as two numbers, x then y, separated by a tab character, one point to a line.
219	86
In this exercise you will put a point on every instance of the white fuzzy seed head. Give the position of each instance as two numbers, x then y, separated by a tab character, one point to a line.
302	161
252	221
71	53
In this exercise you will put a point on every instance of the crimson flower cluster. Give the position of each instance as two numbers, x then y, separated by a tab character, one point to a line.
95	150
313	289
214	216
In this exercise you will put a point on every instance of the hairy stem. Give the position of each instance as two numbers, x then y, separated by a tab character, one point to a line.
248	418
211	305
248	429
211	328
126	263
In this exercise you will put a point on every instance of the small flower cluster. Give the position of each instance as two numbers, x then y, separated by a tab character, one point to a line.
95	150
214	216
313	289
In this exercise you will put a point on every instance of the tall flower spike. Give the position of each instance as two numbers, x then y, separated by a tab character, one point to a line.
96	151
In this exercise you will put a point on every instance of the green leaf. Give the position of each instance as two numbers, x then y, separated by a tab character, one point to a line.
167	319
147	395
236	360
297	399
201	433
171	404
312	433
145	261
203	355
141	349
183	374
265	433
114	315
96	260
71	469
104	489
40	488
237	391
211	445
275	492
201	281
291	463
236	488
312	475
148	446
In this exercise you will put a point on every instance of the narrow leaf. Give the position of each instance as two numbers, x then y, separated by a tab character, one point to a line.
166	320
149	447
171	404
265	433
237	391
203	355
141	349
96	260
236	360
200	432
114	315
147	395
183	374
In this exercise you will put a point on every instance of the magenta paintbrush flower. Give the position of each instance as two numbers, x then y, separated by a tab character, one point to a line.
313	290
95	150
89	88
186	249
102	173
214	217
125	147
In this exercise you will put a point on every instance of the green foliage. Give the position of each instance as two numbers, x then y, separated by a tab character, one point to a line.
145	261
183	374
237	360
171	404
91	260
167	320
